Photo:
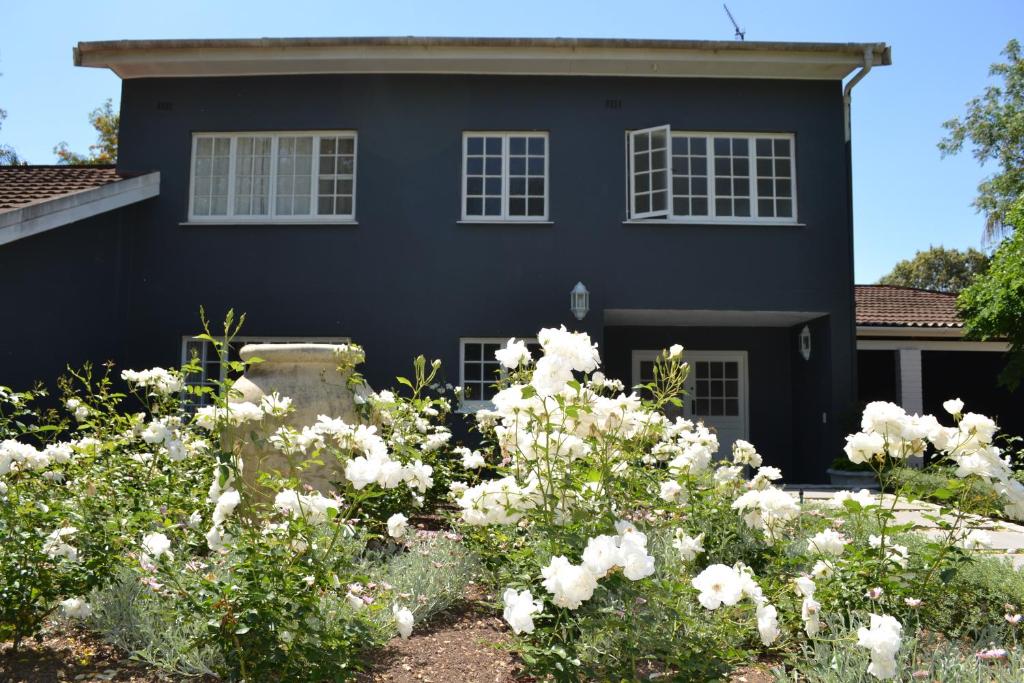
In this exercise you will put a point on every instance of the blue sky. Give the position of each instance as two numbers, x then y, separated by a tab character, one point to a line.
906	197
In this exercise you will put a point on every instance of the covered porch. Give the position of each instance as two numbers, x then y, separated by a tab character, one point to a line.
761	376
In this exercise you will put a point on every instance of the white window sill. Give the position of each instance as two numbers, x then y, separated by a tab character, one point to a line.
486	221
269	222
712	222
471	407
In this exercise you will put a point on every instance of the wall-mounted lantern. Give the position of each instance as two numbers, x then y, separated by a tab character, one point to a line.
804	343
579	301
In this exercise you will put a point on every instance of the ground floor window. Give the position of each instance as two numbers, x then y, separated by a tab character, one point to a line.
479	370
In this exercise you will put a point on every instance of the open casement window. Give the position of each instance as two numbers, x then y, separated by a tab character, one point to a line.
738	178
650	173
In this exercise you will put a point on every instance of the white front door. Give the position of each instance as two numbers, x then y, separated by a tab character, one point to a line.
716	391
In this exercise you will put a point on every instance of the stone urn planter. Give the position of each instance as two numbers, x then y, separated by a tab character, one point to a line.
308	374
852	479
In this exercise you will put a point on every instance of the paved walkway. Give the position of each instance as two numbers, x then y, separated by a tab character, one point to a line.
1007	537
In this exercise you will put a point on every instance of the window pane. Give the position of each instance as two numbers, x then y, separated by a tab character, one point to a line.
336	176
294	174
210	177
774	181
652	162
689	180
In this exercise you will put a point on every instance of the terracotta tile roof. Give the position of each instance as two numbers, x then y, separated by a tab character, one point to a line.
21	186
884	305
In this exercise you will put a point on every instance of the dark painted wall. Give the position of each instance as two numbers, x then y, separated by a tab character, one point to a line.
64	299
408	279
878	376
973	377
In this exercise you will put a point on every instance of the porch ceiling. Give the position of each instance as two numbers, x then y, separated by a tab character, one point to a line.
653	317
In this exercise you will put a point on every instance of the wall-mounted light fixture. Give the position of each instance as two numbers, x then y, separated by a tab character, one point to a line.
579	301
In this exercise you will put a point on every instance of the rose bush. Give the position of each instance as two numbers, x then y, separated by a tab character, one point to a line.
616	539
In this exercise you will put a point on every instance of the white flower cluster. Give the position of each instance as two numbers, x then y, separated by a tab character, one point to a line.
519	610
56	544
828	542
810	609
497	501
883	639
372	465
894	552
16	456
158	381
312	508
77	408
513	354
564	353
571	584
234	415
888	431
769	509
721	584
689	547
863	497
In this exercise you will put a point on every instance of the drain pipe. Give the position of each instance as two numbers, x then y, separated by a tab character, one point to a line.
869	58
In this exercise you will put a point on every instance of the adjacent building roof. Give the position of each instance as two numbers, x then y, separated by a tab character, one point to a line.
888	306
507	56
21	186
34	199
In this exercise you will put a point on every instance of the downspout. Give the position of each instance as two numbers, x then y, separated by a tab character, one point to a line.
869	58
832	432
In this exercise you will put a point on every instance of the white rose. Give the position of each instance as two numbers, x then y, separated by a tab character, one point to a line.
403	620
519	610
397	525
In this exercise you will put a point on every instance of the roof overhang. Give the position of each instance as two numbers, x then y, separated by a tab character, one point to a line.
706	318
40	217
492	56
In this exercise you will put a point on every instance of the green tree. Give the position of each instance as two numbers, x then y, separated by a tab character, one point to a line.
106	121
994	125
938	269
8	157
993	306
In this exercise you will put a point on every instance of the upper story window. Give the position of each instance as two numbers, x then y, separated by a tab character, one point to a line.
505	176
273	177
711	177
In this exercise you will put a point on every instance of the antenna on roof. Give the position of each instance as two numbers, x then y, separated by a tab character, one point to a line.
740	33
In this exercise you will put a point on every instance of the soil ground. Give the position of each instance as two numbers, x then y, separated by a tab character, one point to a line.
463	646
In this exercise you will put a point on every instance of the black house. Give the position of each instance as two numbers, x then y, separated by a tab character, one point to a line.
440	195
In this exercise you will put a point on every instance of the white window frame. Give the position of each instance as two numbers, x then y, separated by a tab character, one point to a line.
753	219
481	404
649	132
270	216
505	135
